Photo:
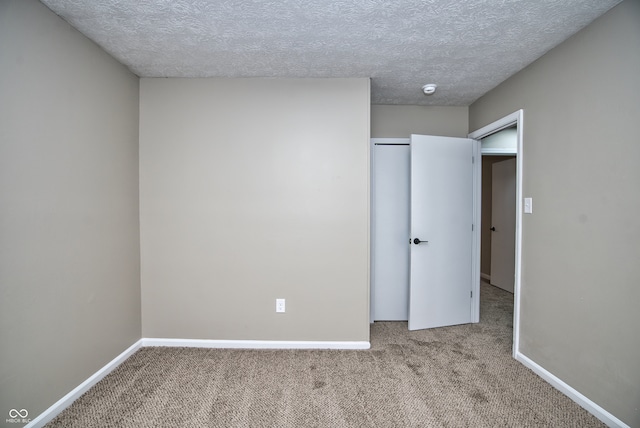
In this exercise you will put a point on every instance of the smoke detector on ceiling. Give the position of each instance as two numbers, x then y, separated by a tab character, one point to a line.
429	88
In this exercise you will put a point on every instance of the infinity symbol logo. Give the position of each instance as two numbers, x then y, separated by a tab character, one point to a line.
22	413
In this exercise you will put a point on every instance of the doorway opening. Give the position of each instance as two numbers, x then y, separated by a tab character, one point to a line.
513	121
497	237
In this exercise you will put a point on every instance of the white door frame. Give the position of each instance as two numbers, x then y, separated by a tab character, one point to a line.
515	118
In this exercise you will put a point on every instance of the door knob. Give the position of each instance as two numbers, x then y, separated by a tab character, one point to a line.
417	241
493	229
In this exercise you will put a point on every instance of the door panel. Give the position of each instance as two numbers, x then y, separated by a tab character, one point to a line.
503	220
442	215
391	231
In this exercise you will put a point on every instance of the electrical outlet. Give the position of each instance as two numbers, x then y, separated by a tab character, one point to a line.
280	305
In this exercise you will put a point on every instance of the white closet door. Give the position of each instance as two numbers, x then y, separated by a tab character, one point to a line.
391	231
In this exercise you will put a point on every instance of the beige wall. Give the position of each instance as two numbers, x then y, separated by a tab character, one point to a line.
400	121
69	236
581	245
252	190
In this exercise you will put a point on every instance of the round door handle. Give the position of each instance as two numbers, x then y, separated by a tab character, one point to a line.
417	241
493	229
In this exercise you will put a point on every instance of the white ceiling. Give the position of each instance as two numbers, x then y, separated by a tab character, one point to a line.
466	47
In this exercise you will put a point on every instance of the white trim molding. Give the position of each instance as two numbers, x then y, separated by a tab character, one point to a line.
584	402
254	344
45	417
500	152
53	411
500	124
476	228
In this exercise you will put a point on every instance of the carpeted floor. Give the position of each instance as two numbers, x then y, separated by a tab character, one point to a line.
460	376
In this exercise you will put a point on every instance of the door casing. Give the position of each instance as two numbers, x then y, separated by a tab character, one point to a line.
516	118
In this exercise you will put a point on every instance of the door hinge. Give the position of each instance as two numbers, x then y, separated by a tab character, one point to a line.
472	294
473	159
472	227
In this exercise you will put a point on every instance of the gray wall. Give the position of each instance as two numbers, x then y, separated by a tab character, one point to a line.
69	236
400	121
252	190
581	245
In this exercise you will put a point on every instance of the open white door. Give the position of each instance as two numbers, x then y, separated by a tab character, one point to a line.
503	224
441	231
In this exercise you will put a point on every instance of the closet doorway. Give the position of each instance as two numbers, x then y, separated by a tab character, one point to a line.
424	190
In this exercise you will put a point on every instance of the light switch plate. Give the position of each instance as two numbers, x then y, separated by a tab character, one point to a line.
528	205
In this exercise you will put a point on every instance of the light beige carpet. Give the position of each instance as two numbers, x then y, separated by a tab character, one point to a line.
460	376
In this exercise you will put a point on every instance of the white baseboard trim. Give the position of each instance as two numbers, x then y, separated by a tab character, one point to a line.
53	411
591	407
255	344
485	276
48	415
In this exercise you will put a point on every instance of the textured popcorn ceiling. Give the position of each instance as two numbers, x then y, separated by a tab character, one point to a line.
466	47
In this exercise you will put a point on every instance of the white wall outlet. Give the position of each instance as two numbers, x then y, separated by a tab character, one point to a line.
280	305
528	205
